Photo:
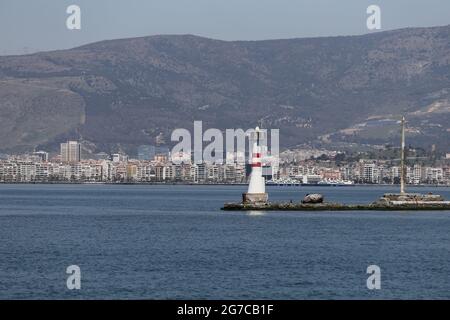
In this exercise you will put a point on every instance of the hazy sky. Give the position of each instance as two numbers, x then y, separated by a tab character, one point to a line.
28	26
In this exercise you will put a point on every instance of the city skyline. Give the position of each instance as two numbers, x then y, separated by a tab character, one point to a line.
314	167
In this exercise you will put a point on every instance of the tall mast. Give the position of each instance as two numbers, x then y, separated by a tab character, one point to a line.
402	175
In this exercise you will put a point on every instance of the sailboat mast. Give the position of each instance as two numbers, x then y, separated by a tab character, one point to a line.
402	175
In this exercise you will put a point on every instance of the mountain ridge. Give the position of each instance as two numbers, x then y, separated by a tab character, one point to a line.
118	94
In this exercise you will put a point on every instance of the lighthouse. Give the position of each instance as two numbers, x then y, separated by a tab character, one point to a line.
257	187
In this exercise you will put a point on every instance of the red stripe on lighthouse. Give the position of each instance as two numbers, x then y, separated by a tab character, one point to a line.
257	155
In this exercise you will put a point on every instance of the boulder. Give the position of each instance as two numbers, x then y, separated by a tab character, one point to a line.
313	198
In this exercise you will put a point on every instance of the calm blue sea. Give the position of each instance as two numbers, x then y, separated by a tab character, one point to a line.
173	242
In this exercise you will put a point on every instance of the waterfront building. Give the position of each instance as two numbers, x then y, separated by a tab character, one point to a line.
370	173
434	175
201	172
168	173
27	171
395	172
159	173
213	173
330	174
132	171
417	173
42	171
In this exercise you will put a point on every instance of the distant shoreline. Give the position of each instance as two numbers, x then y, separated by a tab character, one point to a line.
218	184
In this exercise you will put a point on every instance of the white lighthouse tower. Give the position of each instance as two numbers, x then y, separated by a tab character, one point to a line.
257	186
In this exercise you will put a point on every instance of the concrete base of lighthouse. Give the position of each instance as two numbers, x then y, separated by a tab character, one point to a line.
255	198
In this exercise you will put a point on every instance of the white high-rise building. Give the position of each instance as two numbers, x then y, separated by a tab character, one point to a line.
370	173
417	176
71	152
